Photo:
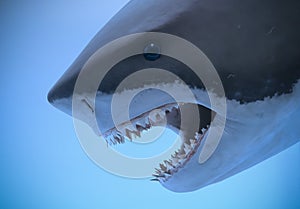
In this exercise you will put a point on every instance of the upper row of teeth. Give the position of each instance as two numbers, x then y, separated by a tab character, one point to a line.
133	129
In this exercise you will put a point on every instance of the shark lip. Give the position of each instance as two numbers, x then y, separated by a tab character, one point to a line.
133	128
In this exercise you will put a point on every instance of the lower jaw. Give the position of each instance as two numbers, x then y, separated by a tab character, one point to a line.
180	158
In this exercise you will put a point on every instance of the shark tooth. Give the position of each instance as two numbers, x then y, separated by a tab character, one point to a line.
181	156
159	176
152	116
192	142
158	171
128	134
162	167
175	160
186	150
197	136
187	146
168	174
132	127
117	139
162	114
140	127
137	133
151	122
170	164
176	105
111	140
168	108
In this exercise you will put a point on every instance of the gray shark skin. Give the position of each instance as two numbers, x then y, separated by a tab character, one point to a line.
254	46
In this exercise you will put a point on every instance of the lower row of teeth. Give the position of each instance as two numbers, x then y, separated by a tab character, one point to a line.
177	160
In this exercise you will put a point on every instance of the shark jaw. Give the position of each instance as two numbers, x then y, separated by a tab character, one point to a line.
253	133
168	115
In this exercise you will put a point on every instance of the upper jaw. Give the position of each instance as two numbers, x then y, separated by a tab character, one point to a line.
133	128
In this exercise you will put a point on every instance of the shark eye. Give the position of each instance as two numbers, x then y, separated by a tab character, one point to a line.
152	52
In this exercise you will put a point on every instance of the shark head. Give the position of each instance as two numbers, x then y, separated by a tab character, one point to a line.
257	62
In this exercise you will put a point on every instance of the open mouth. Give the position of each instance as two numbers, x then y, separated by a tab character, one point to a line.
167	115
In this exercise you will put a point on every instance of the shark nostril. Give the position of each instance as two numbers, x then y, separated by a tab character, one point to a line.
152	52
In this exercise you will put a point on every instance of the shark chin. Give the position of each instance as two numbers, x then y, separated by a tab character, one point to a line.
253	46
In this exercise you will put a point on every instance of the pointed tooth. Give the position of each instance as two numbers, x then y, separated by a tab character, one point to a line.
192	142
175	160
181	160
168	108
187	146
159	176
119	134
186	150
167	174
181	152
151	122
133	128
141	123
158	171
181	156
147	122
111	140
140	127
169	165
137	133
123	139
118	139
197	136
162	167
157	117
121	129
162	115
128	134
152	117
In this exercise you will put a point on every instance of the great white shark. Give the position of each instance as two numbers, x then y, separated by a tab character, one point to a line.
254	46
